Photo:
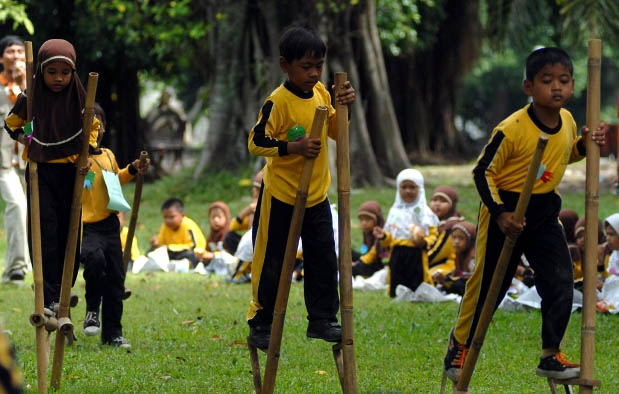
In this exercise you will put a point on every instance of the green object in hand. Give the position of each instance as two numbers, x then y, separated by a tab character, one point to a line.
296	133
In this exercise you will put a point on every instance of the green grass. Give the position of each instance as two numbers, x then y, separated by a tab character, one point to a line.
188	331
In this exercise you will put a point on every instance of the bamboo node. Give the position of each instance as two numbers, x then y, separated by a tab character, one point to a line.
37	320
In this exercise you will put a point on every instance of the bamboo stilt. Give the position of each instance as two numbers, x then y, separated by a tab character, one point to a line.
501	267
587	347
292	243
74	227
345	255
137	197
38	318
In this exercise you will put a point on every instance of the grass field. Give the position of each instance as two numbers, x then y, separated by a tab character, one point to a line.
188	331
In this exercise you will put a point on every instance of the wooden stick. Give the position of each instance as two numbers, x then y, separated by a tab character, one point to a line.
501	267
35	236
292	243
345	254
74	227
137	197
587	333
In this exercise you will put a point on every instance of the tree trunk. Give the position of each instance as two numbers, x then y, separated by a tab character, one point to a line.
427	104
381	118
364	166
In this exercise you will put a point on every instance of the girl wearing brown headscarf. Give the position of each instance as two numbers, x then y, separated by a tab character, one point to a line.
441	253
372	253
53	139
463	237
219	221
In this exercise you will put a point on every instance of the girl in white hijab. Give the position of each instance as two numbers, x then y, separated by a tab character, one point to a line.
612	244
410	226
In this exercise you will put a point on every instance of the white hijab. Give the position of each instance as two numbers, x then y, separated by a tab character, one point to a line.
402	214
613	263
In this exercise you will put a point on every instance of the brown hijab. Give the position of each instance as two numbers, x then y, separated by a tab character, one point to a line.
452	217
463	259
219	235
372	209
57	116
568	219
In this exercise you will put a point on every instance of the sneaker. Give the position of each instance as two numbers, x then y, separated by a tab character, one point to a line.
118	341
92	326
454	359
329	331
17	278
557	367
259	336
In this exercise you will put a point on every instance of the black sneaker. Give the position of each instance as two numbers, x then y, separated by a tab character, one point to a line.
92	326
17	277
454	359
329	331
118	341
259	336
557	367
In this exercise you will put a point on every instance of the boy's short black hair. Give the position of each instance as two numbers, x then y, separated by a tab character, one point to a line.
174	203
7	41
543	56
298	41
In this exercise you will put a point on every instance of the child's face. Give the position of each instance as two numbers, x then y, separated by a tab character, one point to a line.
367	223
217	219
408	191
57	76
459	239
612	238
551	87
580	239
172	218
304	73
440	206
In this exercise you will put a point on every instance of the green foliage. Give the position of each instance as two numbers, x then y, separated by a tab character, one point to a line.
406	25
11	10
590	18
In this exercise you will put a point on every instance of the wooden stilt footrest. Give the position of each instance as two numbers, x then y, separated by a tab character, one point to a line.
566	383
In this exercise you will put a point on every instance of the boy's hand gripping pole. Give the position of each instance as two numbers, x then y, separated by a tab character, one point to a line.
292	243
137	197
501	267
65	326
349	384
587	331
38	318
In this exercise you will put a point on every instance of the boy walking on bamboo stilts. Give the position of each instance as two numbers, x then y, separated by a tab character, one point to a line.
499	176
279	135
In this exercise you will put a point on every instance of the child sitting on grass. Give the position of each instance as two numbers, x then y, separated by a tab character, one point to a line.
372	252
179	234
441	254
611	248
243	220
219	222
463	237
411	226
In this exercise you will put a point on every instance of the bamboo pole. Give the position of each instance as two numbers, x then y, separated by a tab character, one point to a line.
292	243
345	254
501	267
66	329
38	318
587	345
137	197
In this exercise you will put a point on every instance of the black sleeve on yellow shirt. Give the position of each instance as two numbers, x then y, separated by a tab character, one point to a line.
260	137
479	175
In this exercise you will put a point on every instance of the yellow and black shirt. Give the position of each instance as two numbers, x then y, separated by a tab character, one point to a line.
286	108
94	205
504	161
187	236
